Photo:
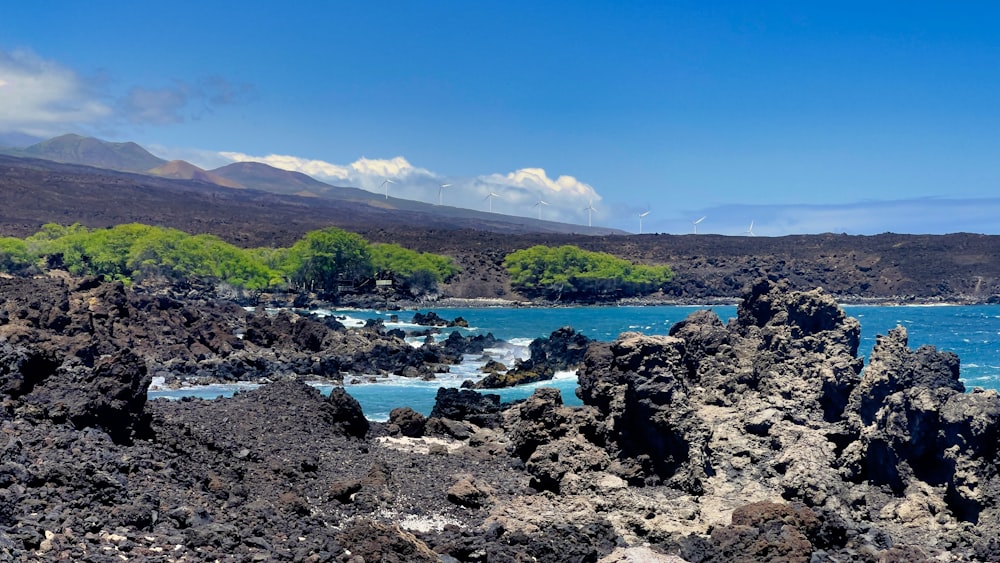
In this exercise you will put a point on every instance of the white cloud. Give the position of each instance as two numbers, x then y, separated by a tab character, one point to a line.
43	98
537	179
518	191
393	168
566	197
317	168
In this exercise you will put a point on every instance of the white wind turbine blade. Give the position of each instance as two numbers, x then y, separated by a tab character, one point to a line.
539	205
385	184
441	191
641	215
695	223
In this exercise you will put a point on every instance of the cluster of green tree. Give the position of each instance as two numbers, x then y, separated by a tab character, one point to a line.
323	261
571	273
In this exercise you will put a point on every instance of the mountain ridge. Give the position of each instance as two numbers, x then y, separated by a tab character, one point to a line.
91	151
183	170
131	157
260	176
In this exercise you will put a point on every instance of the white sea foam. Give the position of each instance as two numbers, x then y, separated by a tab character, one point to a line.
564	374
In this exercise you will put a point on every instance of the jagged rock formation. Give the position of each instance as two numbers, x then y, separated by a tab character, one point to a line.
562	350
194	340
921	435
775	408
760	440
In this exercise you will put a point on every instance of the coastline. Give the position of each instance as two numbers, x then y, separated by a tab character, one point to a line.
497	302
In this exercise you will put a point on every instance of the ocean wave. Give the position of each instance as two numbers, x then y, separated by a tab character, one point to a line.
565	374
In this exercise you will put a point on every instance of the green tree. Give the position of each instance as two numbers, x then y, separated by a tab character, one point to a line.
178	255
419	271
106	251
574	273
57	243
323	259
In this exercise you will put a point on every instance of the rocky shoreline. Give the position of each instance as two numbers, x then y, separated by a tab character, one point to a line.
758	440
653	301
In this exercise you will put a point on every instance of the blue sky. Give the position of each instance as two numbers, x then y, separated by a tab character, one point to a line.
800	117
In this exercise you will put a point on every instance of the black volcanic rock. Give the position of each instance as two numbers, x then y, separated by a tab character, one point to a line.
456	345
481	409
639	385
110	396
346	414
916	425
756	440
45	384
407	422
428	319
562	350
765	531
541	420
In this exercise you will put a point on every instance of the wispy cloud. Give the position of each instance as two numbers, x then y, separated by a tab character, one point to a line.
42	98
518	191
181	101
149	106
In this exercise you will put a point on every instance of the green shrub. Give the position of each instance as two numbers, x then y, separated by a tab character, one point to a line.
568	272
419	271
14	255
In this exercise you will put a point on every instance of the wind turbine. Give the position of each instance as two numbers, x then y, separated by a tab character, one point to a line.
490	197
695	223
749	231
641	215
539	205
385	184
441	190
590	213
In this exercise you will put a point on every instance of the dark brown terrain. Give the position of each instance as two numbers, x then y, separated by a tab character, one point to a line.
958	267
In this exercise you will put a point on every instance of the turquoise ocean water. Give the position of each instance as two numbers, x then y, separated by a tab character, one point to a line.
971	331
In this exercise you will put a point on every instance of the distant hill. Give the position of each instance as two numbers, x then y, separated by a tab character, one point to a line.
38	191
260	176
183	170
365	207
75	149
